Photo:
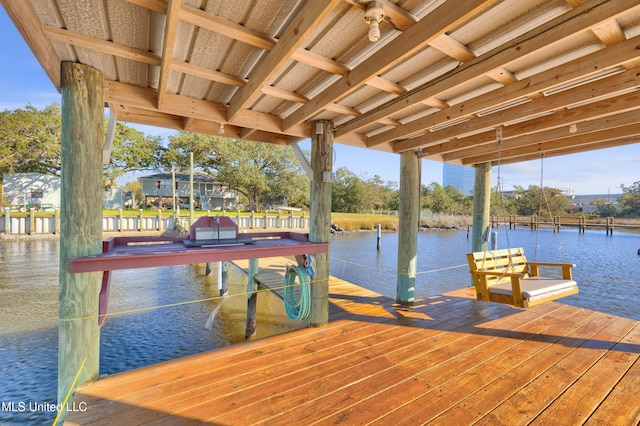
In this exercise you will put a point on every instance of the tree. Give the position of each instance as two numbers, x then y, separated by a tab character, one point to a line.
255	170
132	151
629	202
545	203
30	140
347	194
604	208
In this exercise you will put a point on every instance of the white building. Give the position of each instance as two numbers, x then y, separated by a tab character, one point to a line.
24	191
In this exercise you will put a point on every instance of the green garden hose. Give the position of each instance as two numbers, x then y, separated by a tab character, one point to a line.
297	310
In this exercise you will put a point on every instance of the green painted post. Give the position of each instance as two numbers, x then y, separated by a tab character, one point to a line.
82	139
253	298
320	222
481	206
409	221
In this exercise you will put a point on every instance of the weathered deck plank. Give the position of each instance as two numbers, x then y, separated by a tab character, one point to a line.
448	359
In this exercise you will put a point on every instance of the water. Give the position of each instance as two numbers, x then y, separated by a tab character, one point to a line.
607	267
607	272
138	337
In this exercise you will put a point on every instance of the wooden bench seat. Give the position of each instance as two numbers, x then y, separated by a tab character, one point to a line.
505	276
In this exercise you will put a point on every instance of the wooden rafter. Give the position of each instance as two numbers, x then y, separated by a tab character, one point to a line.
514	136
170	29
618	83
447	16
597	61
291	40
554	31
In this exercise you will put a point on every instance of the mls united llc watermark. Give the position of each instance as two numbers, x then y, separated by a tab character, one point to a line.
40	407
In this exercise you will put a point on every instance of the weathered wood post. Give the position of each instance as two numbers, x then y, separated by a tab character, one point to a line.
82	139
481	206
320	220
120	220
56	221
7	220
408	224
32	222
252	303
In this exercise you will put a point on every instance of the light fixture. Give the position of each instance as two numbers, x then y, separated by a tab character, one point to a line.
221	129
373	14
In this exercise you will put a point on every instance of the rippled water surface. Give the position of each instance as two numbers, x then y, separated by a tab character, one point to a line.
608	273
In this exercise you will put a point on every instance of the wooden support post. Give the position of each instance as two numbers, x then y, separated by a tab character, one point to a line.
32	222
141	220
159	227
481	206
223	277
408	224
7	220
320	221
252	303
82	139
120	220
56	221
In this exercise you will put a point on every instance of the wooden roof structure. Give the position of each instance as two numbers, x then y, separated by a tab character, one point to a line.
445	77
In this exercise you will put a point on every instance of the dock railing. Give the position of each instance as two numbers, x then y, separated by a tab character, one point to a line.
32	222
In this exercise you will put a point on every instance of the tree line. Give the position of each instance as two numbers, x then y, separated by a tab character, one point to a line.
30	142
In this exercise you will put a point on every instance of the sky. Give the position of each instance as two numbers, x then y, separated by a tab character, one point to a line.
23	82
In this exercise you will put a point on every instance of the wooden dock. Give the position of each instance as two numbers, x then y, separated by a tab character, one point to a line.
448	360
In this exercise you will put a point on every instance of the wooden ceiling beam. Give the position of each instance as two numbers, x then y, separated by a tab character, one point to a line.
582	18
609	32
213	23
568	149
99	45
513	136
617	83
616	111
551	139
415	38
582	67
168	42
452	48
295	34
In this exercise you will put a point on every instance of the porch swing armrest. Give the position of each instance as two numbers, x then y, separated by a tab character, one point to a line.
566	268
497	273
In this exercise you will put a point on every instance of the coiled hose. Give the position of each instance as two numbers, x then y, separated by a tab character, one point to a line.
297	309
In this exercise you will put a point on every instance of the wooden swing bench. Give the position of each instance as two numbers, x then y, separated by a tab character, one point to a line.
505	276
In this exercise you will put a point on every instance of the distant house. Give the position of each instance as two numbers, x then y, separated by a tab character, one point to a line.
24	191
208	193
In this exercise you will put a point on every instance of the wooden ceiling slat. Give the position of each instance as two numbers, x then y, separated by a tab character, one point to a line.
98	45
584	17
296	34
590	64
430	79
444	18
485	143
170	29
